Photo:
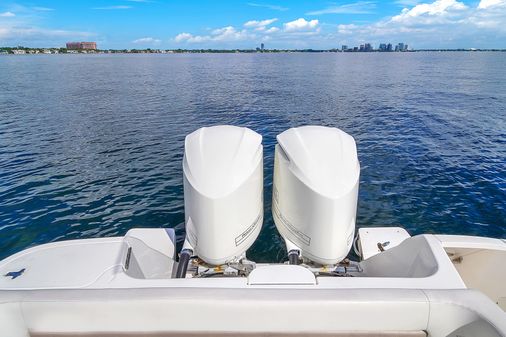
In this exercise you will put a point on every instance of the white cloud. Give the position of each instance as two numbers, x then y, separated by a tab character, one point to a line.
147	40
190	38
7	14
36	33
301	25
435	12
113	7
347	29
43	9
225	34
181	37
490	16
408	3
484	4
360	7
259	24
273	7
228	33
272	30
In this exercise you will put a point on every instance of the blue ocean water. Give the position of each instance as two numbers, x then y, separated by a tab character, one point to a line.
91	145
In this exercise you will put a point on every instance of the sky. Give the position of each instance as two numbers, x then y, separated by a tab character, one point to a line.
227	24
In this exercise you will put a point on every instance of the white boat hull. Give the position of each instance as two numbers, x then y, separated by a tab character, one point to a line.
82	288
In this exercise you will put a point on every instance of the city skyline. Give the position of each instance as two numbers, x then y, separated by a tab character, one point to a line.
158	24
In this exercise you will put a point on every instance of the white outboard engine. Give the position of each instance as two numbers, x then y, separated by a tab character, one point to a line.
316	178
223	193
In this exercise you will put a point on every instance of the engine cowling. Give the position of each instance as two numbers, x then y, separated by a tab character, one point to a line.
315	191
223	191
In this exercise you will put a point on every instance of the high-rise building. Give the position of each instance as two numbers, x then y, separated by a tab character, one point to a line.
262	46
344	47
400	47
367	47
389	47
382	47
82	45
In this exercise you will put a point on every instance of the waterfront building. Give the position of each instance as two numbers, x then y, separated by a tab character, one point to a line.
82	45
382	47
262	46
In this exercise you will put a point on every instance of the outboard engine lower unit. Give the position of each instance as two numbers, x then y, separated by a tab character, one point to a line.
316	178
223	192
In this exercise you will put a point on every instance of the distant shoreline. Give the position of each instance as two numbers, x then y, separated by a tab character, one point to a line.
27	50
